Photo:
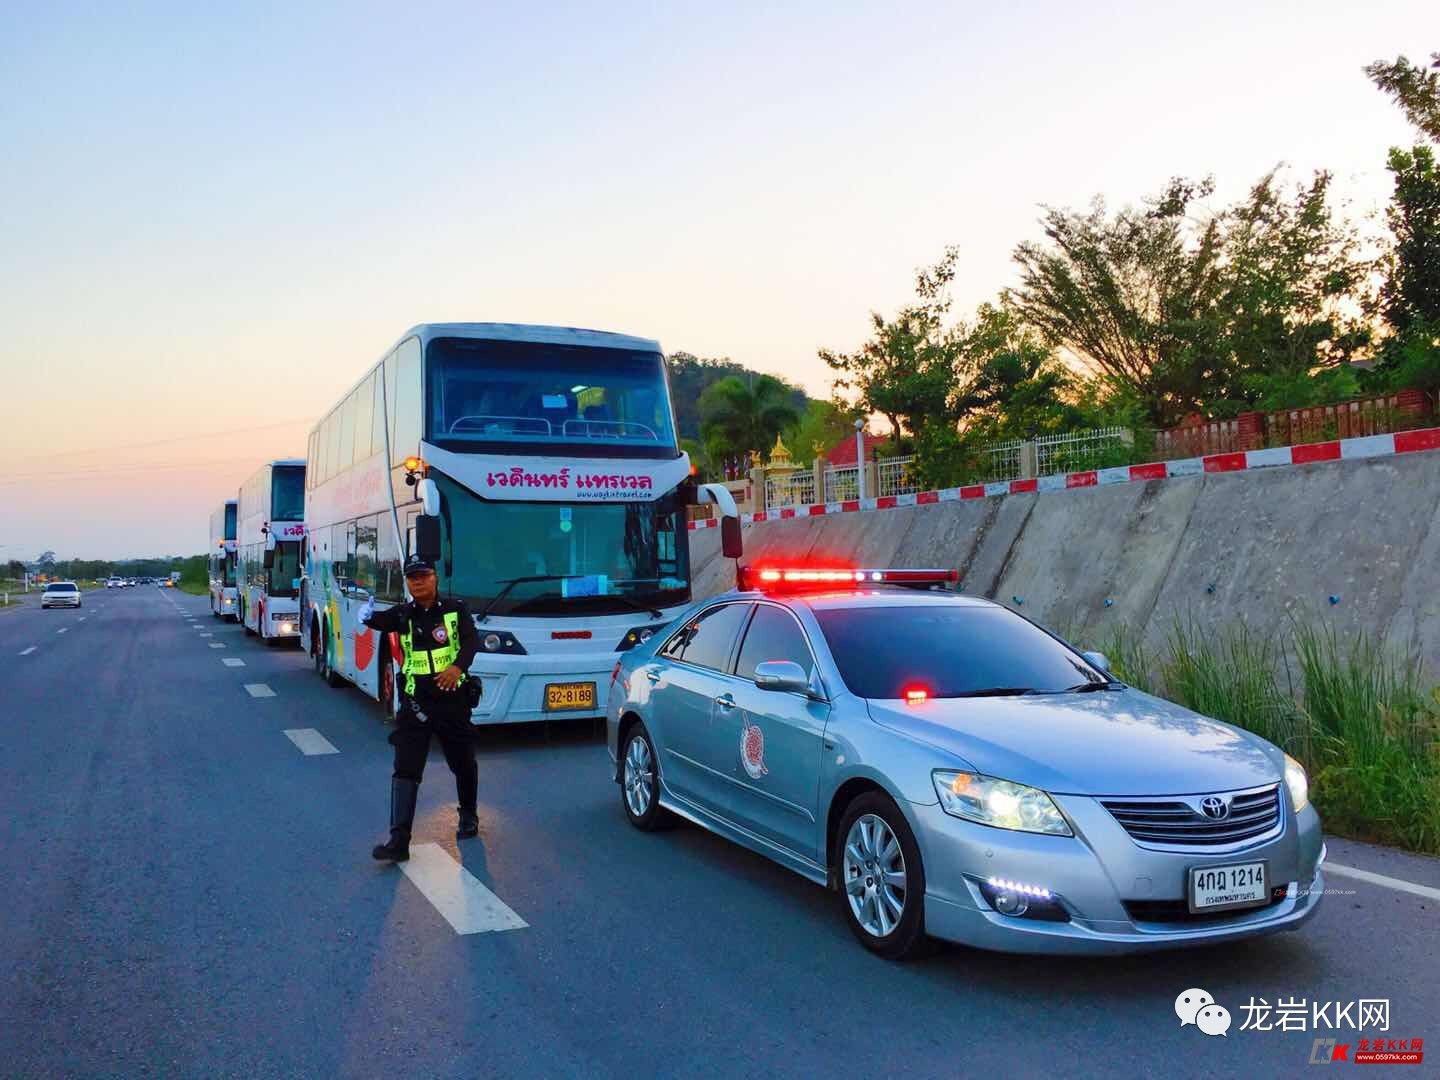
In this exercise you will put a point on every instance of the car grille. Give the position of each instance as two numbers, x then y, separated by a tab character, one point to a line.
1170	821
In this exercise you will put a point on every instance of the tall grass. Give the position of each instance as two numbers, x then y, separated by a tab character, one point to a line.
1353	712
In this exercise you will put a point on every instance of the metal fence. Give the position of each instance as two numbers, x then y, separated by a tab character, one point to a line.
841	484
1078	451
796	489
1002	461
893	477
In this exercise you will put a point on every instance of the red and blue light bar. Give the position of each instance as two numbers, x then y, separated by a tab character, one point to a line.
783	578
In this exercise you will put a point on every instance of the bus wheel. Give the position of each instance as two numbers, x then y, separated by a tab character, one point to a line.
317	647
387	689
333	678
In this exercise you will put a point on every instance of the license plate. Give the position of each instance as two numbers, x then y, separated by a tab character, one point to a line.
562	696
1215	888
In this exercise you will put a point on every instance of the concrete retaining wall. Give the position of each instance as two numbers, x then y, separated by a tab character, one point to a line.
1274	544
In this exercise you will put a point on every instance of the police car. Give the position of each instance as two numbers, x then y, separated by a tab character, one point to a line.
951	769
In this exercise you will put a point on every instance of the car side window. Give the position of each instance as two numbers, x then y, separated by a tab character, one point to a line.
774	635
706	639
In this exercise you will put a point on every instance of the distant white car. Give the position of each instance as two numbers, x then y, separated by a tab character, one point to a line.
60	594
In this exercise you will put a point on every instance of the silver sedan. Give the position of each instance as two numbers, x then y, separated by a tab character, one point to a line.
952	770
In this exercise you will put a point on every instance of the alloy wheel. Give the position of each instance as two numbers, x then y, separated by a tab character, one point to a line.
874	874
639	777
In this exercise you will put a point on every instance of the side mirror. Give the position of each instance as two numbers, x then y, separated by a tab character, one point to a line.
784	675
269	558
731	545
1098	659
427	538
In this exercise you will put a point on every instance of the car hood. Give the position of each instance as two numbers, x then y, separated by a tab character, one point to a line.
1111	742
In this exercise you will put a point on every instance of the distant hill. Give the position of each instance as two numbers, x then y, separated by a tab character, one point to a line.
691	374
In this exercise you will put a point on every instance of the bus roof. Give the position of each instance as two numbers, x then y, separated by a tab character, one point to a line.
553	335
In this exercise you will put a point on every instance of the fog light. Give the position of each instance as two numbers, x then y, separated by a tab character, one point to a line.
287	628
1021	899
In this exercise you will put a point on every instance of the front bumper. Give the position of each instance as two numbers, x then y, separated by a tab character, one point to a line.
1094	874
513	687
68	602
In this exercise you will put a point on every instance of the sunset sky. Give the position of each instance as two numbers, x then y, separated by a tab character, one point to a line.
210	223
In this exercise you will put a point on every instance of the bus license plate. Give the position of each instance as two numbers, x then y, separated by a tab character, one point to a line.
562	696
1215	888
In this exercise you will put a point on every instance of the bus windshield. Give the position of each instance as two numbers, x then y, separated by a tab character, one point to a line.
287	493
591	558
501	396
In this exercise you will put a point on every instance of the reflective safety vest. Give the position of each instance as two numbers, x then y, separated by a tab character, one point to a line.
430	661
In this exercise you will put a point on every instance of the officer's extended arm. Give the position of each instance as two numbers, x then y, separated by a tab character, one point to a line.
392	618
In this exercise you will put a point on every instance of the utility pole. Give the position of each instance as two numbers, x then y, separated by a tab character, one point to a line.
860	459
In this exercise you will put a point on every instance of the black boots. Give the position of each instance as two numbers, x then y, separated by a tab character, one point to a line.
469	824
402	816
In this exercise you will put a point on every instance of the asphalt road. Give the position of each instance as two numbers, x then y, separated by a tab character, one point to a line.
187	894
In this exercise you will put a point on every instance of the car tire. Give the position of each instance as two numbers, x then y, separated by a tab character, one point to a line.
640	782
333	678
863	843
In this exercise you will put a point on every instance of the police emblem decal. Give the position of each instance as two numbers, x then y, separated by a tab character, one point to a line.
752	749
439	635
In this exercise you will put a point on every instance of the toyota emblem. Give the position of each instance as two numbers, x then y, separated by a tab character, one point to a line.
1213	806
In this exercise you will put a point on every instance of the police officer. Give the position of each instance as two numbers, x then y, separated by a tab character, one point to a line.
438	639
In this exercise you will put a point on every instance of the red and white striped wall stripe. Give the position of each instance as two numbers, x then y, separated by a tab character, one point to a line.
1403	442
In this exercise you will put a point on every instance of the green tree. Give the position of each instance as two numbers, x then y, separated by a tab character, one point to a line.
1409	298
691	376
15	569
1010	381
1414	89
820	427
1132	295
738	415
1289	284
906	371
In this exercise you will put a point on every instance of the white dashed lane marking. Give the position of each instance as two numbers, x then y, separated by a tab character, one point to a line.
63	630
84	617
27	652
310	741
457	894
1380	879
232	661
217	645
258	689
207	635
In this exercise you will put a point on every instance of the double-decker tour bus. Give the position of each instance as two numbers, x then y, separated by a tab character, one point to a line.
270	543
221	561
538	468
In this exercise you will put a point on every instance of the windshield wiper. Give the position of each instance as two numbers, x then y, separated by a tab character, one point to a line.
997	691
636	605
511	583
1091	687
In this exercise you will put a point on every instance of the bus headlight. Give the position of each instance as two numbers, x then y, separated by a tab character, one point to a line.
494	642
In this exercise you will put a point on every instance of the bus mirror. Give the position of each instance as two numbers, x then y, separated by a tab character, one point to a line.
427	538
429	497
731	545
269	557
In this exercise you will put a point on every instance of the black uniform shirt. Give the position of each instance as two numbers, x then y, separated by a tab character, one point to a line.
429	633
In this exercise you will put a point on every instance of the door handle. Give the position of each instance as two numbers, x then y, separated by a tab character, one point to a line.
725	701
653	676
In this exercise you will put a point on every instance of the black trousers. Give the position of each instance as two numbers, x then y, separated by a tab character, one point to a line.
412	747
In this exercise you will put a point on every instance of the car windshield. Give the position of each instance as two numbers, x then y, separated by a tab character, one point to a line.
61	586
948	650
509	395
563	558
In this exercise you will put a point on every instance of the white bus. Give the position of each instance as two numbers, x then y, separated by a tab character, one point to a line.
221	560
538	468
270	541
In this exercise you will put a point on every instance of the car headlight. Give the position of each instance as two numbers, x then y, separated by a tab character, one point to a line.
1298	783
1001	803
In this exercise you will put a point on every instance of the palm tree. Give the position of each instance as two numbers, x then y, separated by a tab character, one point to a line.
737	416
